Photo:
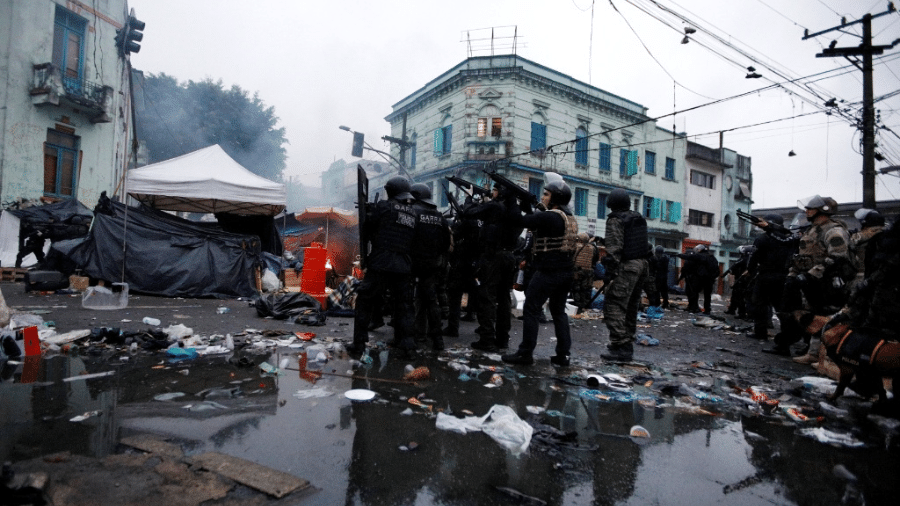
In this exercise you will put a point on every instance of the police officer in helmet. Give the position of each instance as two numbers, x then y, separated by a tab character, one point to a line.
432	243
390	229
626	260
555	232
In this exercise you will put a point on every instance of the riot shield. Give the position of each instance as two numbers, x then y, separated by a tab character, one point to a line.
362	198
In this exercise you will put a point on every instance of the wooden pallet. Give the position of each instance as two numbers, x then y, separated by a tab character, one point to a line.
12	275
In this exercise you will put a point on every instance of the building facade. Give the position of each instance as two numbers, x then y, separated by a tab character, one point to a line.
66	125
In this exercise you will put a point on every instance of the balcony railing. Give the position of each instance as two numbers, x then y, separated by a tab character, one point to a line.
701	152
486	150
50	87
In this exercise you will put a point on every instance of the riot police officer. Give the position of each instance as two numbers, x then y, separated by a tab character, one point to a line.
626	261
431	244
818	271
390	228
555	232
769	261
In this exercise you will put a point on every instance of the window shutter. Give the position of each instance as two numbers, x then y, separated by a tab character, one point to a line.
439	142
675	214
655	208
632	162
538	136
623	162
448	138
605	156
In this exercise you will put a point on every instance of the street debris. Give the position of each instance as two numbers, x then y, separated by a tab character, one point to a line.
501	423
826	436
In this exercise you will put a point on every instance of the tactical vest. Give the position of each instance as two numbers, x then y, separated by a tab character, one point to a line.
635	234
397	230
563	243
584	258
813	250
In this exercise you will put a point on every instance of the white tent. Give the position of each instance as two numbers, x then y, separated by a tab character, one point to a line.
205	181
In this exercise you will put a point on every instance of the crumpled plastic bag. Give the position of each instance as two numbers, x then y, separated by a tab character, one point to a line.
179	331
501	423
832	438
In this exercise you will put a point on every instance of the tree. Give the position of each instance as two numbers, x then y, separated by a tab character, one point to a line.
174	119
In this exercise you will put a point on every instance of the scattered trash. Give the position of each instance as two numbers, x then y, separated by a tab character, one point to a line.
647	340
418	403
85	416
496	380
168	397
500	423
832	438
151	321
269	368
89	376
535	410
314	393
176	332
178	352
419	373
359	395
639	434
595	380
697	395
823	386
305	336
655	313
409	447
223	310
613	396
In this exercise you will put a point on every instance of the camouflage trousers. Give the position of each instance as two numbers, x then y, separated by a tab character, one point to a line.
581	287
623	296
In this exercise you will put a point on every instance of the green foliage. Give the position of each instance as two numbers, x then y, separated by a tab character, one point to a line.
177	118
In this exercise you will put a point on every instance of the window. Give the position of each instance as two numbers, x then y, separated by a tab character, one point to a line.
60	164
672	212
700	218
581	147
601	206
442	140
703	179
581	202
650	162
68	48
627	162
496	126
605	157
536	187
538	136
670	168
651	208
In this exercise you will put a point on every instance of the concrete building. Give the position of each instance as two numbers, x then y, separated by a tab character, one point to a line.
719	183
512	115
66	121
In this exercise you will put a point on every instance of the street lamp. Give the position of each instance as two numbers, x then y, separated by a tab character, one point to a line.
358	137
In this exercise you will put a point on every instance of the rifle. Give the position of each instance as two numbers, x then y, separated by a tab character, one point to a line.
776	228
462	183
521	193
454	204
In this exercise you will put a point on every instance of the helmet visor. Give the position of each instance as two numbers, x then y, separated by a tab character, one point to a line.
814	202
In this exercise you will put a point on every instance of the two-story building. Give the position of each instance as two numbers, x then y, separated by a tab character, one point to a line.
66	122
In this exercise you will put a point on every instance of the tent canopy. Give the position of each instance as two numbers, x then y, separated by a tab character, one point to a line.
205	181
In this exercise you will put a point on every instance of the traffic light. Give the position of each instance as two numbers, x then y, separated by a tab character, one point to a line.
128	36
357	150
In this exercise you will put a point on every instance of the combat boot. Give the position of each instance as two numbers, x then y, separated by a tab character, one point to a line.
618	353
518	358
489	345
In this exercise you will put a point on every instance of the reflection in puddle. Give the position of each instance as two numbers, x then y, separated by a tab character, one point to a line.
389	451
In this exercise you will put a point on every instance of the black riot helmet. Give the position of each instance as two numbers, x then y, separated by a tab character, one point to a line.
560	193
397	187
422	193
774	218
869	218
618	200
659	250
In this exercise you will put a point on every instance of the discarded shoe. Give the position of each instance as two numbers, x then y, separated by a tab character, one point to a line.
518	358
560	360
778	350
484	345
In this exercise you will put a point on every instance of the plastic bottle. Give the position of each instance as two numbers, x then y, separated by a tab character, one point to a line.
151	321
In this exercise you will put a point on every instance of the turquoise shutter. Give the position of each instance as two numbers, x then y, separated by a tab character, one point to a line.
675	214
439	142
632	162
655	208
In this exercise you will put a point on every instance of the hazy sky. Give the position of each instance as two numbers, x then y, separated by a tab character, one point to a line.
327	63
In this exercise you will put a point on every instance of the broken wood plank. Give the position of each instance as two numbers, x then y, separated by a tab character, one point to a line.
251	474
155	445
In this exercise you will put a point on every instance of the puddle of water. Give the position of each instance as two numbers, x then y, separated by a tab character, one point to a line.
359	453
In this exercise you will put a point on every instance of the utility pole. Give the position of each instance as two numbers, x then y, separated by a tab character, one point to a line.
866	50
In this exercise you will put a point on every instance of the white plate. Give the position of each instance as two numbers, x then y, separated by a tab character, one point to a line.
359	394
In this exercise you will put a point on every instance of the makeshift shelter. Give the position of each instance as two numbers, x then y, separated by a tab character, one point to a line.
59	221
157	253
337	230
205	181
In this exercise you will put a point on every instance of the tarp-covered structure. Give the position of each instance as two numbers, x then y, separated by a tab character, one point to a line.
205	181
162	254
66	219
